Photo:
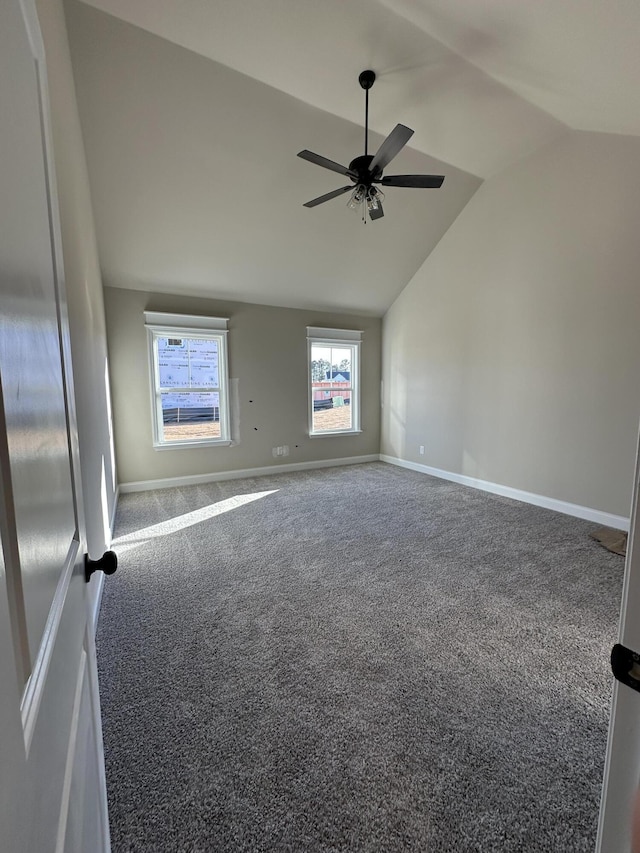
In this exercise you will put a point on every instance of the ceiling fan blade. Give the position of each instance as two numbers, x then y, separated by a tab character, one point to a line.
325	163
391	146
327	196
426	181
377	212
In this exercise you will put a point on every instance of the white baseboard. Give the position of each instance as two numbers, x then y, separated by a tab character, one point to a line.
194	479
619	522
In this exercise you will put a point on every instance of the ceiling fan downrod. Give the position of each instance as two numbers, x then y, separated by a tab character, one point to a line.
366	80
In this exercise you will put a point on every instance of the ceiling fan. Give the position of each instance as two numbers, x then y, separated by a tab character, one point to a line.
366	171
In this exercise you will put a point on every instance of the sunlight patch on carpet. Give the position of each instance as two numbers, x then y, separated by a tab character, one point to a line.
180	522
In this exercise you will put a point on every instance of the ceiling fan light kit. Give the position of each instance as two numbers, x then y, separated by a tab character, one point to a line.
366	171
372	196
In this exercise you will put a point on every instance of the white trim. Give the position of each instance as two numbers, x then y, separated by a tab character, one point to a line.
319	334
71	754
185	321
34	33
34	689
222	390
112	521
94	698
98	577
620	779
329	433
354	385
194	479
94	609
185	445
585	512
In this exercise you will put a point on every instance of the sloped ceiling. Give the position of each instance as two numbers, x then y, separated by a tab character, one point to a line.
576	59
193	113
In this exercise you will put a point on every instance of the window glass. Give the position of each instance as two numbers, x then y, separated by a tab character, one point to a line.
187	362
331	388
333	381
188	417
189	379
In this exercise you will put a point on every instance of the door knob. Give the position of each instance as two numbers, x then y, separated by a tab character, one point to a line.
108	563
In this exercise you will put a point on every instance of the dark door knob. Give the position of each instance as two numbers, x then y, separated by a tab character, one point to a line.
108	563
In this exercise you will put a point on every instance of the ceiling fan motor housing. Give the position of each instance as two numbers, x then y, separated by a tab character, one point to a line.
360	165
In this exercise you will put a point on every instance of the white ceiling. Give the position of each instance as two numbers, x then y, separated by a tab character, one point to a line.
482	82
576	59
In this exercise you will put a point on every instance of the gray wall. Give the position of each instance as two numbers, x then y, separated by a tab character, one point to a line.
513	355
267	357
83	285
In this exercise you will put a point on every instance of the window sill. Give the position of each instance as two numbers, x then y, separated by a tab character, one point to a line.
329	433
191	445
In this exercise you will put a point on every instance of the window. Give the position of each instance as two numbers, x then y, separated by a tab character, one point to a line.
334	381
189	379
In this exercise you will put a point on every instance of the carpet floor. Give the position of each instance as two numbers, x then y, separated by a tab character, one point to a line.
354	659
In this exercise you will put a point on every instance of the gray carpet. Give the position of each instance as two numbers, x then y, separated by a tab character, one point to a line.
364	659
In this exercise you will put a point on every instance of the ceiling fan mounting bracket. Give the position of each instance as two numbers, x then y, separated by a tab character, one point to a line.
367	79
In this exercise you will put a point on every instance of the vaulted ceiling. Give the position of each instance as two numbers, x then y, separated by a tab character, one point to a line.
193	113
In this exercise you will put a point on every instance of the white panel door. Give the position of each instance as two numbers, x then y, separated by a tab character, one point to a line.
622	766
52	789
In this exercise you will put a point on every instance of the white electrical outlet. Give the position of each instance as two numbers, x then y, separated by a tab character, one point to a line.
422	450
285	449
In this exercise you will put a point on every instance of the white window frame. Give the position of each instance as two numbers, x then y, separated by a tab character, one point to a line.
345	338
163	325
